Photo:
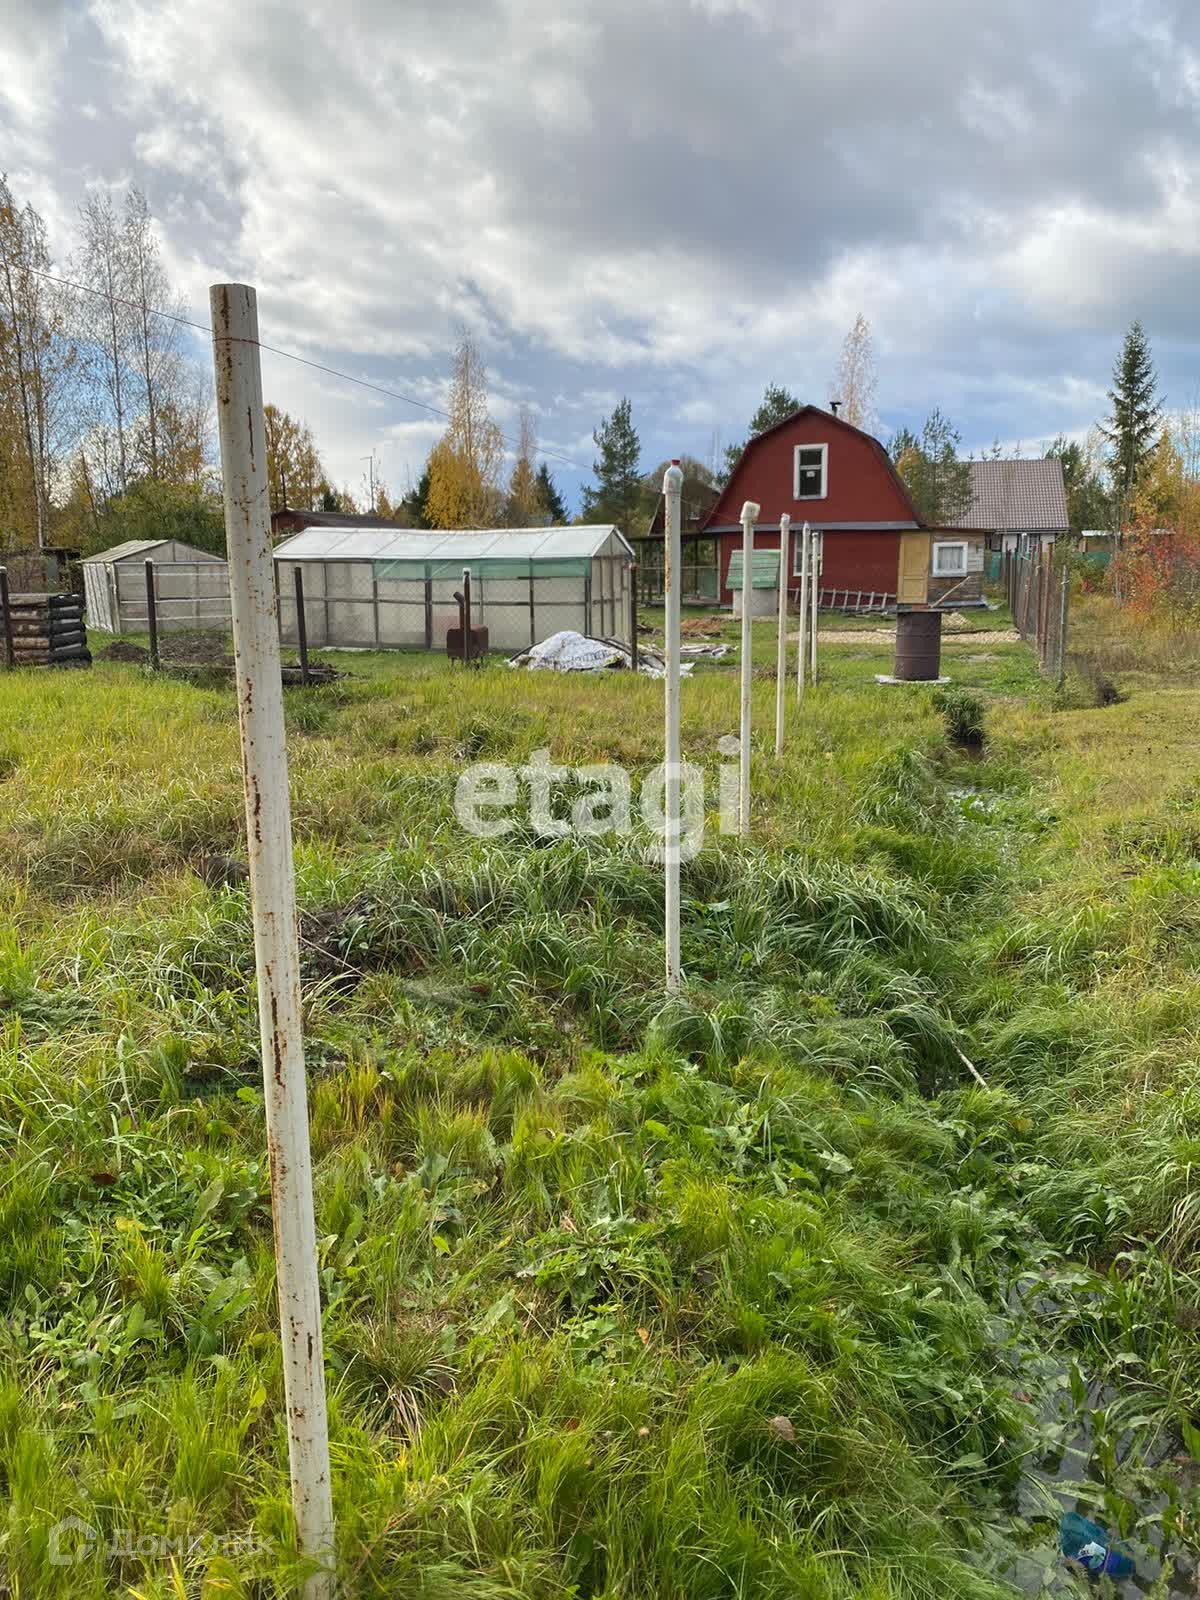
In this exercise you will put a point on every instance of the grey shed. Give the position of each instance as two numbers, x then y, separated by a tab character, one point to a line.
191	587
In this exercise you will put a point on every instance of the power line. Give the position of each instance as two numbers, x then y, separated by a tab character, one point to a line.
287	355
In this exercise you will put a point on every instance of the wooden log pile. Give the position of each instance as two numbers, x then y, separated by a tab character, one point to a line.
48	630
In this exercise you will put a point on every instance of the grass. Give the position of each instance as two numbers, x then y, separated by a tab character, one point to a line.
710	1298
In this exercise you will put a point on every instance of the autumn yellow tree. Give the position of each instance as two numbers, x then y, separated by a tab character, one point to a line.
524	507
295	475
855	380
464	467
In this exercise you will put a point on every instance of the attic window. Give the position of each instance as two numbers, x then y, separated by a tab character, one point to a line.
949	560
810	471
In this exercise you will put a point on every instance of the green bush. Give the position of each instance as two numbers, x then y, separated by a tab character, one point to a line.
963	714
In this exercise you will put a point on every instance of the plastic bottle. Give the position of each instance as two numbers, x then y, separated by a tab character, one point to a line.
1089	1546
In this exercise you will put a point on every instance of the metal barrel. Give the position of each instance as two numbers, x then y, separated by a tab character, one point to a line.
918	645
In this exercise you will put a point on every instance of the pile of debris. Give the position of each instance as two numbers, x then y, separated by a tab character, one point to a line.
701	627
576	652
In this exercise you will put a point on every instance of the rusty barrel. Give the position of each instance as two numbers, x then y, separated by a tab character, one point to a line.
918	645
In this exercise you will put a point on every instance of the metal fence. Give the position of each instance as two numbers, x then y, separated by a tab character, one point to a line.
1039	598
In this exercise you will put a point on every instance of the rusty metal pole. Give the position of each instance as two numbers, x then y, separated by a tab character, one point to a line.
468	653
152	616
750	512
672	556
802	655
10	651
633	615
301	626
273	902
785	529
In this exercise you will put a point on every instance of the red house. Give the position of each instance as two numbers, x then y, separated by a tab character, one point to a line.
835	477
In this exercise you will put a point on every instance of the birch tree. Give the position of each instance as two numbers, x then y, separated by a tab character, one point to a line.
464	467
155	338
108	333
36	366
856	379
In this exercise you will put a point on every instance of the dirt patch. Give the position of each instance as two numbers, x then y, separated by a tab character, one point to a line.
701	627
195	649
122	650
888	636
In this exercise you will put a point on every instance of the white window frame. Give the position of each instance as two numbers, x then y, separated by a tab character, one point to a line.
824	449
950	544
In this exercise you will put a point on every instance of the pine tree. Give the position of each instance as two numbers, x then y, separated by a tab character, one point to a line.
1132	426
776	405
413	505
938	483
556	506
617	496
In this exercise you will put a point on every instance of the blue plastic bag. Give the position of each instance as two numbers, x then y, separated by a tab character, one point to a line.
1089	1546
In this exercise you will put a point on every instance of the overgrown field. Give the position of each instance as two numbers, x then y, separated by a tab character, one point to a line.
758	1293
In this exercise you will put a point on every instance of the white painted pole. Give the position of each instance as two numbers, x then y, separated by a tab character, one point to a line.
802	653
672	490
273	900
816	545
749	518
785	528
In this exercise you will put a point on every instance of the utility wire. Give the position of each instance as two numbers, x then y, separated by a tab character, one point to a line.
288	355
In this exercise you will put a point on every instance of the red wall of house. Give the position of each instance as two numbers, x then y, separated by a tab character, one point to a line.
852	560
861	486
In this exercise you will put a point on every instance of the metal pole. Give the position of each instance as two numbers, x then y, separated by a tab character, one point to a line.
802	654
301	625
815	548
10	653
672	491
633	616
152	616
467	641
1062	628
749	518
234	312
785	528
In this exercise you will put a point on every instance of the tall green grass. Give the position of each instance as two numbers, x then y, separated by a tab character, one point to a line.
623	1297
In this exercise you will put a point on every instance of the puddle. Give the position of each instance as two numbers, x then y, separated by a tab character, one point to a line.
1120	1479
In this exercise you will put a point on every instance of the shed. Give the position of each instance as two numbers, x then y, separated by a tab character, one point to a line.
191	587
393	589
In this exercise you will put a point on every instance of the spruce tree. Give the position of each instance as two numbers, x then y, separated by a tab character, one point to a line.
617	496
1132	425
776	405
556	506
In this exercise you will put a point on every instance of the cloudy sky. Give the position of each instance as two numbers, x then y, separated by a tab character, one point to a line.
677	200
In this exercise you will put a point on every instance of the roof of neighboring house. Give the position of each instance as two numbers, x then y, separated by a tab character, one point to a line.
389	543
334	519
1025	496
835	421
143	547
696	502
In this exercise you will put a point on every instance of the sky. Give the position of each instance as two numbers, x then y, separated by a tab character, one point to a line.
676	201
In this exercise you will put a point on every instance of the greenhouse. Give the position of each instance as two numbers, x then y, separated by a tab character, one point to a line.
394	588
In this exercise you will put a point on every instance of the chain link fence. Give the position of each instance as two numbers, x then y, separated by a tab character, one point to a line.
1039	597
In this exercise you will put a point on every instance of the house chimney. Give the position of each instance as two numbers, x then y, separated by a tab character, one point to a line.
833	406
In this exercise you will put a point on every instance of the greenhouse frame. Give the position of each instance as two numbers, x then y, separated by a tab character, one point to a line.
393	589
